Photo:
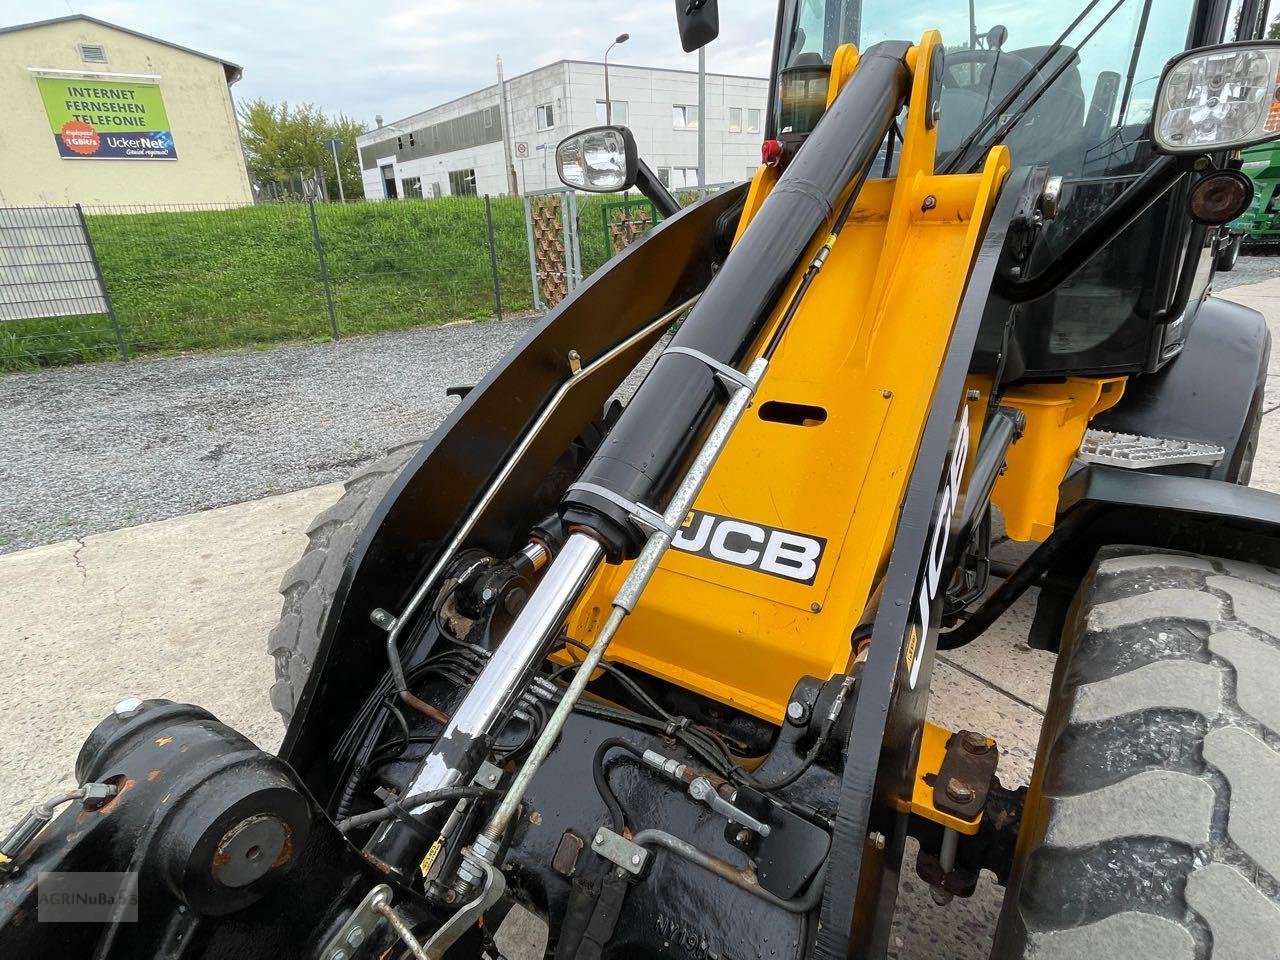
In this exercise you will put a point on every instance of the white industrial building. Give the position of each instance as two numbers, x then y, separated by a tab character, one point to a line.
457	148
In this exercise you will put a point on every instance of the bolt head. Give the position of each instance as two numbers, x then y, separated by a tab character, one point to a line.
975	742
355	936
339	955
599	839
877	840
127	708
635	859
960	792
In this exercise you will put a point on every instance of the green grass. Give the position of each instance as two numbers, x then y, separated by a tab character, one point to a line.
250	277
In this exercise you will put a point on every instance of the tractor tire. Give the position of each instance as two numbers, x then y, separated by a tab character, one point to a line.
309	585
1150	824
1226	257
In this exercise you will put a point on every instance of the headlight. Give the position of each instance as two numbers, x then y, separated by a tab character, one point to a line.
600	160
1216	98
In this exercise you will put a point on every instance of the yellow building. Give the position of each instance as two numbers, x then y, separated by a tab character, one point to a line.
98	114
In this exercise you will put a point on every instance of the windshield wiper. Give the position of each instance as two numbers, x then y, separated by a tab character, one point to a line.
1020	87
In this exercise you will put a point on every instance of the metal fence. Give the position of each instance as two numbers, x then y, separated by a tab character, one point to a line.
115	282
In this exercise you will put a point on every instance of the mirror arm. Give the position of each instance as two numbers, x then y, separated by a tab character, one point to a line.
648	184
1136	199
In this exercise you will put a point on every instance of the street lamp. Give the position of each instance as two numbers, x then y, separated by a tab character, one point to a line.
608	104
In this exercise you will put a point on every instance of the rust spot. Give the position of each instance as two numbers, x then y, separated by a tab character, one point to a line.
535	818
123	786
163	741
286	851
153	776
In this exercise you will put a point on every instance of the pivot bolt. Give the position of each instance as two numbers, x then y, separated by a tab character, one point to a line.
797	713
929	202
959	792
974	742
127	708
355	936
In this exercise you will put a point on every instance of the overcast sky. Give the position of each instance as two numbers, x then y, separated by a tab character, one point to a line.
396	57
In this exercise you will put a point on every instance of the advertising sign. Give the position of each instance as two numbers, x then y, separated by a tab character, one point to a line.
93	119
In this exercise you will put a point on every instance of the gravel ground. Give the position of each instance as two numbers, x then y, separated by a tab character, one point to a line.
103	446
1249	269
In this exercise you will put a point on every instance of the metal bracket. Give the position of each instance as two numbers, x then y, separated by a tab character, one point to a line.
620	851
495	885
344	944
638	512
702	791
730	376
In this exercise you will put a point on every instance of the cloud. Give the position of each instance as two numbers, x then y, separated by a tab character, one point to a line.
402	56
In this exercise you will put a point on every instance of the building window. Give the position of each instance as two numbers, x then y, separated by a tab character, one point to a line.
399	143
546	117
684	116
735	119
753	121
412	187
93	53
620	113
682	178
488	117
411	139
462	183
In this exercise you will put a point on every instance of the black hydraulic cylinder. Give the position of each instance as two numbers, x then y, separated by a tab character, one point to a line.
644	455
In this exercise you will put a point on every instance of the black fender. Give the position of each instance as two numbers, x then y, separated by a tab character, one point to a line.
1102	505
444	482
1212	392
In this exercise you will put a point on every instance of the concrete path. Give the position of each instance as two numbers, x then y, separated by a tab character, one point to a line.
181	608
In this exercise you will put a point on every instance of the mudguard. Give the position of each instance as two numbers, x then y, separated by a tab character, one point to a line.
1212	392
1102	505
444	482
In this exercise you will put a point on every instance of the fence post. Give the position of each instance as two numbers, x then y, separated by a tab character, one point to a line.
324	266
102	283
493	255
533	253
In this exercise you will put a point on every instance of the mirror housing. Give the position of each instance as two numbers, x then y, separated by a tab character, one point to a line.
699	23
1223	97
598	160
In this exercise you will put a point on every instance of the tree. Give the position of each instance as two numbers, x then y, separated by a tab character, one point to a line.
1273	31
283	142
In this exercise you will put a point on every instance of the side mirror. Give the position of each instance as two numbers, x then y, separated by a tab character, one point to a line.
699	23
598	160
1218	98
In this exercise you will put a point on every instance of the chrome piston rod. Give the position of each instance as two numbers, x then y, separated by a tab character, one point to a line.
487	844
509	671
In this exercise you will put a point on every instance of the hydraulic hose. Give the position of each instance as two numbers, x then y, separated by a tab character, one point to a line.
648	449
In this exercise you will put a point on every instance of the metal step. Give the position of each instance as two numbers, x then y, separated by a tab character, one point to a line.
1136	452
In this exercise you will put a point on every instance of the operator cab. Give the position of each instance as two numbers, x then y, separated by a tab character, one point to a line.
1069	86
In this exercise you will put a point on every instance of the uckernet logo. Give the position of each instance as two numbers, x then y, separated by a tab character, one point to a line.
80	137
